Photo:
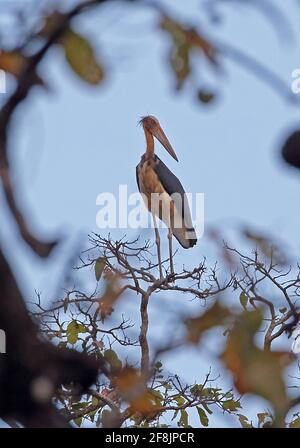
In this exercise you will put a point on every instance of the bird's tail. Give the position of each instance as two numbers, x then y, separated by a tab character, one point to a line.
186	237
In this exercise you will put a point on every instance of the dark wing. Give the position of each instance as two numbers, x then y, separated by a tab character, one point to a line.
137	177
173	185
137	171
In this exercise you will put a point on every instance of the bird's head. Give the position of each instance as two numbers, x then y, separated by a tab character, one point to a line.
151	125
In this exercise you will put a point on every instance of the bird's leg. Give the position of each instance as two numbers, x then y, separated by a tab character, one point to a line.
157	241
170	235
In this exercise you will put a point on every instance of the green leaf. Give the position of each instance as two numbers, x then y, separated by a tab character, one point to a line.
295	423
78	421
184	419
92	415
179	400
72	333
202	416
231	405
95	401
112	358
81	58
196	389
80	405
244	421
99	267
244	300
73	329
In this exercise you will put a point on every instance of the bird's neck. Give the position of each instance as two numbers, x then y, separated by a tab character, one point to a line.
150	145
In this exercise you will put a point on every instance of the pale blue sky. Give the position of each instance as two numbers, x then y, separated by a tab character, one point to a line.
77	141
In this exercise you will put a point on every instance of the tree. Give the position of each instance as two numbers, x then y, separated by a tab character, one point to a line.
58	384
140	391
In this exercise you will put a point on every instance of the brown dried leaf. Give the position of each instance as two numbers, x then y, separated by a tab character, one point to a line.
215	316
12	62
254	370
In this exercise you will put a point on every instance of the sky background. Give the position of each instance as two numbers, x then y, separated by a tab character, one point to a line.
73	143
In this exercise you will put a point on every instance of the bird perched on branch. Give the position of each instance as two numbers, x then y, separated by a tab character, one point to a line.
163	193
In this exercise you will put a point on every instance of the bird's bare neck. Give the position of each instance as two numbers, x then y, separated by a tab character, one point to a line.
150	145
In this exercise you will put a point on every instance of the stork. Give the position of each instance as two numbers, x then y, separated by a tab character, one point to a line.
163	193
